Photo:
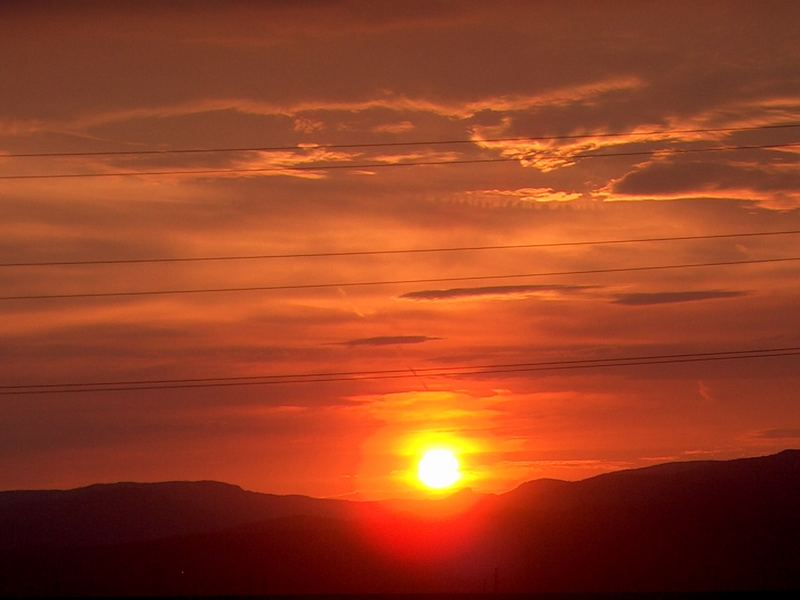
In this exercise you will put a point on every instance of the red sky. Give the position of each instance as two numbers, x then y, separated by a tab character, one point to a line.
97	76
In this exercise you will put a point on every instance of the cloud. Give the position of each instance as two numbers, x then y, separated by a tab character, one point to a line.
550	155
770	177
526	195
681	177
704	391
558	96
397	127
304	125
497	290
647	298
777	434
389	340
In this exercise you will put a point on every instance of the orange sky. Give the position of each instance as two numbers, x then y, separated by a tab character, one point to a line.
100	76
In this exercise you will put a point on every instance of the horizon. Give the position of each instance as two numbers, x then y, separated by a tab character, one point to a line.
442	495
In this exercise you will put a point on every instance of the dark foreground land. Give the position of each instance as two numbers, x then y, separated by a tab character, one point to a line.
730	526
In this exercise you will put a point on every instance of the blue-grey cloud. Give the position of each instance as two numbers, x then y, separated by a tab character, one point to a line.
496	290
389	340
647	298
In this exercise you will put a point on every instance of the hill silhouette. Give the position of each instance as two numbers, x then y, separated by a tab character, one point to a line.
127	512
684	527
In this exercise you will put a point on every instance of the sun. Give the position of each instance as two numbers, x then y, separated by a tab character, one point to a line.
438	469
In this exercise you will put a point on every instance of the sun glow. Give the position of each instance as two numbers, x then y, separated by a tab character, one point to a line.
438	469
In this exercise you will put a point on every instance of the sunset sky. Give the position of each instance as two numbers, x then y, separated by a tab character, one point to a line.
88	77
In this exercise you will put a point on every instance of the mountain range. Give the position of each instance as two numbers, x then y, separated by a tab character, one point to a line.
677	527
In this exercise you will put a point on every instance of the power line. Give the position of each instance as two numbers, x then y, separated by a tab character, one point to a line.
688	358
315	146
399	281
428	163
425	370
399	251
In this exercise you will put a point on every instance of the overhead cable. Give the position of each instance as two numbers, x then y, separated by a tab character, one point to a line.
323	146
423	370
405	374
278	169
180	259
342	284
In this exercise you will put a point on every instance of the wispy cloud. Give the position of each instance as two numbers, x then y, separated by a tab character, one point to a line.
648	298
395	127
561	96
496	290
389	340
527	195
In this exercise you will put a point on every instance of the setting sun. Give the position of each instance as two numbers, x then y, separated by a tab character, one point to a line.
438	469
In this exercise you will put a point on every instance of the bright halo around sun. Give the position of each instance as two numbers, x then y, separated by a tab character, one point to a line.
438	469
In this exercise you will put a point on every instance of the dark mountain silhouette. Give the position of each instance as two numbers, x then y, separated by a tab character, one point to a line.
696	526
127	512
705	525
